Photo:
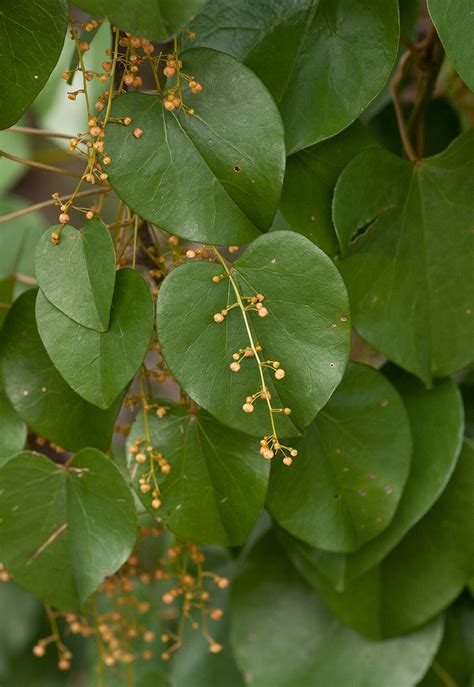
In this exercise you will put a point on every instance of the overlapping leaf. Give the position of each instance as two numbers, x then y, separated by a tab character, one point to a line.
13	429
154	19
352	464
216	488
311	54
454	21
215	176
99	365
421	576
77	275
436	420
307	330
37	391
63	529
276	615
31	38
310	178
391	217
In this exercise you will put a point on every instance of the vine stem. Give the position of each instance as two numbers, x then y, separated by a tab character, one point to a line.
40	165
407	144
249	334
112	77
38	132
53	201
81	62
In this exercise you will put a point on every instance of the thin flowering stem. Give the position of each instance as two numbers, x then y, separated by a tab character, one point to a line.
54	201
249	334
112	77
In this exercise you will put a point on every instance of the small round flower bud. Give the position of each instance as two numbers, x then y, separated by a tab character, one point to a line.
222	582
279	374
156	503
169	71
293	452
235	366
218	317
169	105
128	79
90	214
286	411
127	121
64	218
141	458
215	648
216	613
145	488
190	254
138	133
268	453
263	312
287	460
39	650
248	408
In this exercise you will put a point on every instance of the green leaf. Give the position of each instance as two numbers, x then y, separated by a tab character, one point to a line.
154	19
99	365
307	330
391	217
421	576
276	615
31	38
352	465
310	178
454	22
64	528
313	56
13	434
18	238
11	171
37	391
214	177
455	658
77	276
436	420
216	488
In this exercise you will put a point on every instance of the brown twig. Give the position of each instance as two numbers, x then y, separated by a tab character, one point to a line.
38	132
407	144
39	165
47	203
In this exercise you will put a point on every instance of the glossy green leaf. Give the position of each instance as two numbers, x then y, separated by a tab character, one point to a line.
307	330
454	22
216	488
310	178
154	19
77	276
421	576
436	420
13	429
276	616
63	529
99	365
407	300
27	57
312	55
11	171
353	460
214	177
37	391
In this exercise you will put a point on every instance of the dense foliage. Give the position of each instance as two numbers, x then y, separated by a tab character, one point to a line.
235	386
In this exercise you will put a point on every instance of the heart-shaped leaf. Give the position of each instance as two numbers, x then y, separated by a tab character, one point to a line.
98	365
64	528
421	576
215	176
353	462
268	594
436	420
311	54
27	56
154	19
13	432
307	331
311	176
454	21
78	275
391	217
216	488
37	391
